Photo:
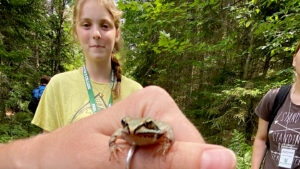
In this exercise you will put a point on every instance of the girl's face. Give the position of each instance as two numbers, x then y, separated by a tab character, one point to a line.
296	62
96	31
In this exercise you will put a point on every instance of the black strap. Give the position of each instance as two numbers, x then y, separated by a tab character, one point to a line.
279	100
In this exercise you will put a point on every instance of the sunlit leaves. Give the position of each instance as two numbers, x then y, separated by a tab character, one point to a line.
167	44
242	92
279	28
248	23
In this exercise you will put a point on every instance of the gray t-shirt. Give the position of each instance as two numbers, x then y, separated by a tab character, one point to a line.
285	128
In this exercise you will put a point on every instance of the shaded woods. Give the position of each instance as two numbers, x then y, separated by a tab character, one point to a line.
217	58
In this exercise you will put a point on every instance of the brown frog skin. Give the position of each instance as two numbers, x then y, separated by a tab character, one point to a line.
142	132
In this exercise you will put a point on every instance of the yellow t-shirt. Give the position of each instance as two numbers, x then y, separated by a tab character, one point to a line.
66	99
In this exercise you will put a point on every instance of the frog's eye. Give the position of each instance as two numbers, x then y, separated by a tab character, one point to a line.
123	122
150	124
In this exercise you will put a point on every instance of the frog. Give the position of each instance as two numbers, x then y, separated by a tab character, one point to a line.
142	131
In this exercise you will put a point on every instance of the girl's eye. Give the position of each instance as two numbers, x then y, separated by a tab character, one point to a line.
105	26
86	25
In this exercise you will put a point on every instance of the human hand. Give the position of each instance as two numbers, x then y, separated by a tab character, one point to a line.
84	144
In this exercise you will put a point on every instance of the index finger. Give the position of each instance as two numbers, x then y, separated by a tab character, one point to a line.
152	102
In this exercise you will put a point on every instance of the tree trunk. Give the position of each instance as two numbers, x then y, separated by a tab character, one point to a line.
266	65
249	56
36	52
59	36
249	126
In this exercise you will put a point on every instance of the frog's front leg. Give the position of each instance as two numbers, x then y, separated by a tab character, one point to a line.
166	140
113	146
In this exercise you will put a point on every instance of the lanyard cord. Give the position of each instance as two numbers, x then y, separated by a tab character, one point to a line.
90	89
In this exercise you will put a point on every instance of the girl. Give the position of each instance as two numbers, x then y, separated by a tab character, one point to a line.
284	133
73	95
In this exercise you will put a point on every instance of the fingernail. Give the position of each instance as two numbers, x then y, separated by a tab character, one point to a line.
216	158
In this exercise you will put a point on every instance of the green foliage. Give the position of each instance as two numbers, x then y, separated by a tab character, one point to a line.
217	59
16	95
33	41
242	150
277	24
16	127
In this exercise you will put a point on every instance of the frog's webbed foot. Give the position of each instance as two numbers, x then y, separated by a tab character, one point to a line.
166	141
114	147
164	146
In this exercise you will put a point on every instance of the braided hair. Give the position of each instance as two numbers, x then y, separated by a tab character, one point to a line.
117	72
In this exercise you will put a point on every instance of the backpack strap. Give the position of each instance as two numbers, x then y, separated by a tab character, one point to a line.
35	93
279	100
41	90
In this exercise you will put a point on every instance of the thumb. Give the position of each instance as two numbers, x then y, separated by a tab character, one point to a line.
186	155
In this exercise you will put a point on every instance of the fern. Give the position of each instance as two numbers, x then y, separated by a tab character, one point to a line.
242	150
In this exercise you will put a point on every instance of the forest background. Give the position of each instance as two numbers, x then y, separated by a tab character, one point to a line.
216	58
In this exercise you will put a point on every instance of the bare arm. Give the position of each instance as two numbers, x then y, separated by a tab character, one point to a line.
259	146
21	154
84	144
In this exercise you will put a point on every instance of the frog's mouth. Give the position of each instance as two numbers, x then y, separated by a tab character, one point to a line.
148	133
147	128
145	138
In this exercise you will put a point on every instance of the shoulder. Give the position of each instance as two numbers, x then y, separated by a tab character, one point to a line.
271	94
265	105
63	82
74	74
42	87
66	77
130	84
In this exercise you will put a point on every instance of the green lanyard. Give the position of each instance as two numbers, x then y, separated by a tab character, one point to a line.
90	89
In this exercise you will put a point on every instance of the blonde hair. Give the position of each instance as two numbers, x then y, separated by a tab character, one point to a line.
116	15
297	48
295	75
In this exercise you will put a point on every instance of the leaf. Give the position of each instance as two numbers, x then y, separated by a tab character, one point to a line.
239	16
263	47
156	50
248	24
286	49
272	53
